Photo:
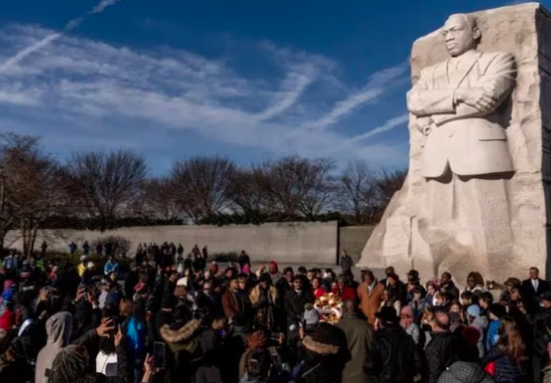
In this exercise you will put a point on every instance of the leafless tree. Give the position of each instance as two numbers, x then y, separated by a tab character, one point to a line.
200	185
104	185
296	186
30	187
243	193
357	191
159	200
387	184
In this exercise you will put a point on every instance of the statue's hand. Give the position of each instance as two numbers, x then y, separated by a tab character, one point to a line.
483	99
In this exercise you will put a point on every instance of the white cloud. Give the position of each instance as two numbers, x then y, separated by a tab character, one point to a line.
48	39
377	85
79	84
388	125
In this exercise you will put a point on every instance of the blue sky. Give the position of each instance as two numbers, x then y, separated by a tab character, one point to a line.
247	79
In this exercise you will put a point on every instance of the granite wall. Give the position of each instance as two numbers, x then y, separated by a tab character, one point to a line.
305	243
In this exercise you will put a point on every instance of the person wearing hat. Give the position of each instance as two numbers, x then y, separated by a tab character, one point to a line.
89	273
325	355
394	357
264	299
480	322
414	284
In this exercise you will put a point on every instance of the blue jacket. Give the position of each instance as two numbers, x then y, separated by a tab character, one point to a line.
492	335
136	336
111	267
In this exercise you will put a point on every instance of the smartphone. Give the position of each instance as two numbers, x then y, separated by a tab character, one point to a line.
159	354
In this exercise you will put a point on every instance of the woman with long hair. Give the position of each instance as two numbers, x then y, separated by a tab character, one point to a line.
508	357
389	299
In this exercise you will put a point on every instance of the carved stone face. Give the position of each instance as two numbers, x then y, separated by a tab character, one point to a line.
459	36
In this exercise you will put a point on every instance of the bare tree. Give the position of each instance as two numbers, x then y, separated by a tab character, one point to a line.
159	200
104	184
13	152
200	185
296	186
357	191
243	193
387	184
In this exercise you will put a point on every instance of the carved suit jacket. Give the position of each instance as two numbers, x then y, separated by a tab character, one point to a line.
470	142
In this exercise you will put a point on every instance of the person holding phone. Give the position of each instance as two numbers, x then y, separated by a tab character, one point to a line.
71	366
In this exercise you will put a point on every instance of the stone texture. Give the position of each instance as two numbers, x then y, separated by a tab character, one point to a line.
309	243
503	229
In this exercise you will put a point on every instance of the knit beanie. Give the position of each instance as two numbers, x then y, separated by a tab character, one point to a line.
68	366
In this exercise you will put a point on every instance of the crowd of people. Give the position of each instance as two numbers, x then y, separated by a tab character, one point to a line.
171	318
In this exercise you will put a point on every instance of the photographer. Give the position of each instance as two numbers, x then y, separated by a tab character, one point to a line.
71	366
182	337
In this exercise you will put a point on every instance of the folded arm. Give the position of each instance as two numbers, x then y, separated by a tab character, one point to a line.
498	81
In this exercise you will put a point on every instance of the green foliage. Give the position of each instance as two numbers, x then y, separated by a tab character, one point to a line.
224	257
120	244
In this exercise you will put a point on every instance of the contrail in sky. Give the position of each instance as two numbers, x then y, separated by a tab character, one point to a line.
21	55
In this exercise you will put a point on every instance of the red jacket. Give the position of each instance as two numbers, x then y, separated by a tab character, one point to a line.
348	293
7	320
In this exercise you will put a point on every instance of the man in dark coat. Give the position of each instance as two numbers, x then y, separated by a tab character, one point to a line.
394	358
441	351
533	288
346	263
447	285
359	339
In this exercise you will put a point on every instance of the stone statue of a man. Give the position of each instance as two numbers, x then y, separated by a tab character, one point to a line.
456	104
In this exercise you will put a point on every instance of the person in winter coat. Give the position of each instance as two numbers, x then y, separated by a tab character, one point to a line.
325	356
407	321
509	355
447	285
59	328
370	293
441	350
71	366
359	339
467	369
346	263
395	358
344	292
495	313
480	322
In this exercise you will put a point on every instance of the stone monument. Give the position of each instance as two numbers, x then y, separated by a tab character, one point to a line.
480	151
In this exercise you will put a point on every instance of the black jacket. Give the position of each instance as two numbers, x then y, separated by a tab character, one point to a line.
394	358
294	305
440	354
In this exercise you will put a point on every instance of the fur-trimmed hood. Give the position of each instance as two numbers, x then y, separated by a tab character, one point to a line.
183	334
319	348
254	296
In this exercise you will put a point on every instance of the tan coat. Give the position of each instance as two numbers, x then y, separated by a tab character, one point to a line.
370	301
